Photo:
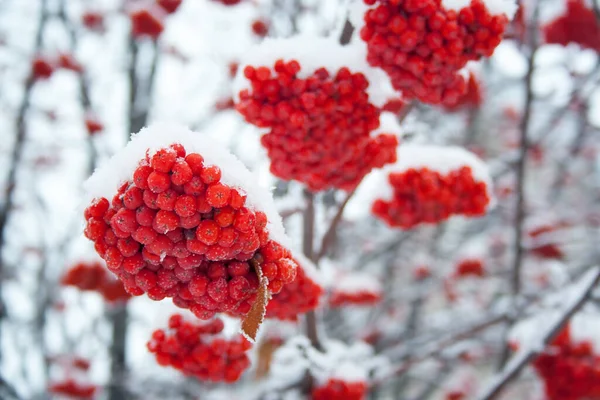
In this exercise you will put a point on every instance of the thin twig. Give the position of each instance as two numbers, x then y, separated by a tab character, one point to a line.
329	237
515	280
308	249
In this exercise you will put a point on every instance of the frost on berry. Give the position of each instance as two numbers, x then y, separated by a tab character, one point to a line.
430	184
93	277
200	350
352	288
423	44
318	119
579	24
298	297
202	243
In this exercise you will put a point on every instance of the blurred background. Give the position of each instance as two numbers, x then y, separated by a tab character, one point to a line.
76	77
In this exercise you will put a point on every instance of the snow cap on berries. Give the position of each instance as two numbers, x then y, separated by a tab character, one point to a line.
313	53
119	169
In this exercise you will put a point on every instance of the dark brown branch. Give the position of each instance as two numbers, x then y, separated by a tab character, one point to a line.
512	370
347	32
17	151
307	247
515	280
329	237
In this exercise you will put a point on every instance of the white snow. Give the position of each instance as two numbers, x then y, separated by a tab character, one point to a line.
349	372
388	124
309	268
495	7
119	169
585	326
356	282
313	52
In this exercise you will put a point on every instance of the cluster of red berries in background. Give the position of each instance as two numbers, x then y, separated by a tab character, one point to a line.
569	370
426	196
337	389
578	25
363	298
197	350
319	127
547	249
175	230
422	46
93	277
472	99
340	297
93	20
470	267
298	297
228	2
149	20
72	388
42	67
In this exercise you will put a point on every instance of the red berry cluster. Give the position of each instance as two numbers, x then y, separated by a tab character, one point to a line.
229	2
340	298
426	196
298	297
42	67
175	230
337	389
422	46
147	21
72	388
570	371
319	126
196	350
260	28
170	6
547	249
578	25
93	20
93	125
472	99
470	267
93	277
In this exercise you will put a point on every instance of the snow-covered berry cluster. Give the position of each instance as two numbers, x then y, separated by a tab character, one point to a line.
93	277
72	388
422	44
578	25
175	229
199	350
355	289
569	369
338	389
426	196
319	121
296	298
